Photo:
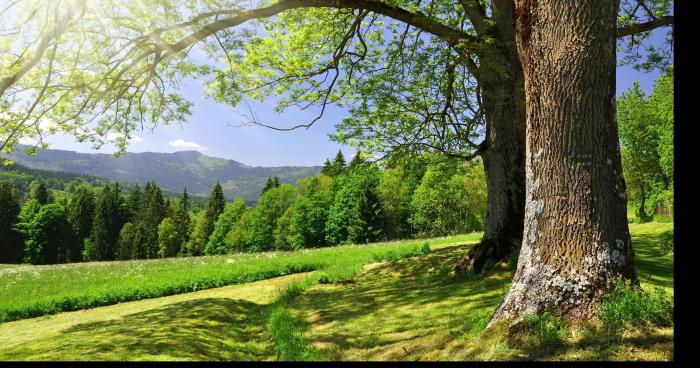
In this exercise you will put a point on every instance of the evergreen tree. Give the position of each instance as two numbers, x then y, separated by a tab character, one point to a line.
101	245
151	214
80	209
39	191
272	182
181	217
356	216
185	200
11	242
327	168
204	225
268	185
134	202
338	165
357	160
216	203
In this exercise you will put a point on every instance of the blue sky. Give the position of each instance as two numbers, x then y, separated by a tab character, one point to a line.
209	130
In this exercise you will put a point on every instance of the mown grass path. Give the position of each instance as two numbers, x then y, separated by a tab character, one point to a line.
226	323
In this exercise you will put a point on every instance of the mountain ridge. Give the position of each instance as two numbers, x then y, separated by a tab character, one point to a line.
172	171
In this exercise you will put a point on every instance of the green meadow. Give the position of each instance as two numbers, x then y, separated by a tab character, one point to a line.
399	309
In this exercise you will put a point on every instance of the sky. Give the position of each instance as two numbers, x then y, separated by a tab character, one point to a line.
209	129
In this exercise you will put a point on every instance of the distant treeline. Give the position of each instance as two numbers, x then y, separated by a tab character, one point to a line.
356	202
64	183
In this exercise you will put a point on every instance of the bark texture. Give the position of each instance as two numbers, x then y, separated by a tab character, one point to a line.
502	82
576	240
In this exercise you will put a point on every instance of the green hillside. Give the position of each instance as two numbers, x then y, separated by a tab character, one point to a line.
172	171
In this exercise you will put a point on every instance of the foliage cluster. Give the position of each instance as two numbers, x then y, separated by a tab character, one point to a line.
625	307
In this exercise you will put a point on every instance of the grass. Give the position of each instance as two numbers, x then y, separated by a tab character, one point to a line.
407	309
226	323
31	291
416	310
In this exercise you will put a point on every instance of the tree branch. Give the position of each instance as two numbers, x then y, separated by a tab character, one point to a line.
631	29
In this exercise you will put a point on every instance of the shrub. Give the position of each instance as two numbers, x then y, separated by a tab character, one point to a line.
667	241
626	306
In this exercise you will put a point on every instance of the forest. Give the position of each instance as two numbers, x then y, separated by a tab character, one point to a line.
348	202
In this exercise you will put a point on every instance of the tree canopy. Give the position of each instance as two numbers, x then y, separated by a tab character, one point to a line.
99	70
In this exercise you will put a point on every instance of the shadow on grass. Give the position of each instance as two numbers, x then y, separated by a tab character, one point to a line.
653	266
204	329
413	310
400	310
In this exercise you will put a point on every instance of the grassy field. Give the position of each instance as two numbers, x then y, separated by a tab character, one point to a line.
30	291
226	323
406	309
414	310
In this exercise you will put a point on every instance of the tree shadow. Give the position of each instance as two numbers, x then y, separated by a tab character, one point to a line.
653	266
400	310
203	329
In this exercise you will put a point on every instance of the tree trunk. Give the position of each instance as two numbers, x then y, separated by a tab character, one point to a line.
504	159
576	240
642	212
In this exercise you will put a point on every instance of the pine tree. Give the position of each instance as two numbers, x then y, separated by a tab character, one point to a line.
216	204
185	200
268	185
134	202
357	160
327	168
39	191
205	224
11	243
181	217
338	164
151	214
80	209
101	245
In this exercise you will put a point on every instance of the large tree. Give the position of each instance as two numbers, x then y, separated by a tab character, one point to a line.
576	243
448	66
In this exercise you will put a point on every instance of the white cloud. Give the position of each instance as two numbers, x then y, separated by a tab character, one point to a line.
114	135
27	141
185	144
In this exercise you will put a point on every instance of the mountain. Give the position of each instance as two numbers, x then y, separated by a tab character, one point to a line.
172	171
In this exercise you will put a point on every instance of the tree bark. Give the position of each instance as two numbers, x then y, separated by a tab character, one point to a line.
502	83
576	240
